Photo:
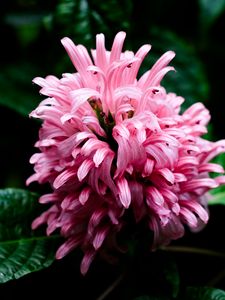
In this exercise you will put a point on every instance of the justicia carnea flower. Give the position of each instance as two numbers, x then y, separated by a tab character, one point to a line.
112	143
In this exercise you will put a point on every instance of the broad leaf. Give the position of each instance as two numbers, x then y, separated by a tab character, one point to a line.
23	256
204	293
22	251
16	204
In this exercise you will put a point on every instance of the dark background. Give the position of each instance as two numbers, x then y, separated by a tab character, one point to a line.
30	34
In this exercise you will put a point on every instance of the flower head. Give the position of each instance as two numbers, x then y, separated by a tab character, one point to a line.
112	143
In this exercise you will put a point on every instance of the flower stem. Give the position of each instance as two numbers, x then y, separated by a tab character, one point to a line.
193	250
111	287
217	279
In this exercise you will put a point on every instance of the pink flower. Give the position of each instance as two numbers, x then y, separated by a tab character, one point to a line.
112	143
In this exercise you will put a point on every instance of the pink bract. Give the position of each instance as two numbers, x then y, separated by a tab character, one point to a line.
112	143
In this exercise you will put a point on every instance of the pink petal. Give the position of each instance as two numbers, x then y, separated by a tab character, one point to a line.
155	195
101	59
84	168
84	195
86	261
100	237
167	174
81	96
68	246
99	156
188	217
32	178
149	165
96	218
210	167
198	209
47	198
117	46
62	178
77	57
124	192
199	183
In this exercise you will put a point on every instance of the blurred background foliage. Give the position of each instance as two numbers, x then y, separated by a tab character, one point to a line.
30	33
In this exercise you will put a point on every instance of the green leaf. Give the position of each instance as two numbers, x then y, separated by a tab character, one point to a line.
23	256
218	198
16	204
204	293
210	10
22	250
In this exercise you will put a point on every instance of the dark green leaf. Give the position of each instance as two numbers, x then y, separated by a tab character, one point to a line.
22	251
211	10
16	204
23	256
204	293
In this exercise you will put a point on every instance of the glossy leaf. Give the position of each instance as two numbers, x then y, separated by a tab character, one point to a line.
25	255
16	204
204	293
22	251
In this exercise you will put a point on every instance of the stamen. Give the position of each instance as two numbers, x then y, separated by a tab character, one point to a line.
155	91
